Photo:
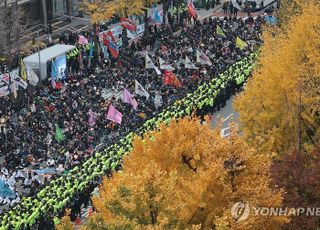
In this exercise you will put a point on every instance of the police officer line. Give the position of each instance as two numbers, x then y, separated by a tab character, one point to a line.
54	197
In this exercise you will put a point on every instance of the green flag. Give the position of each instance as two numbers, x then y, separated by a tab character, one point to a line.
220	32
59	134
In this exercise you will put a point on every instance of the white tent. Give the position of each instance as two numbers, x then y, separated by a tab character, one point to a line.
46	55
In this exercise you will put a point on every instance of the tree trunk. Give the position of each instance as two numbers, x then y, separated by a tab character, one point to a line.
69	7
124	36
178	15
165	9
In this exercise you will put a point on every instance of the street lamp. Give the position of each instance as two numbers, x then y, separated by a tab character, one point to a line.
4	131
39	58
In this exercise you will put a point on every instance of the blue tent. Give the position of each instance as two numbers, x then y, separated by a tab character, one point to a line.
5	191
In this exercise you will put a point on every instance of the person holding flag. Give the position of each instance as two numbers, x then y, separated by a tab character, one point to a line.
202	58
164	65
240	43
220	32
59	136
23	72
171	79
128	24
139	90
128	98
188	64
114	115
150	65
192	10
32	76
82	40
110	42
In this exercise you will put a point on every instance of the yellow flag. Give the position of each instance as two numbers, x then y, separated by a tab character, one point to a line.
219	31
240	43
23	70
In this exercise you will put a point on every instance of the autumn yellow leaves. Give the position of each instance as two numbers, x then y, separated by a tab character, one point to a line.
101	10
281	102
186	176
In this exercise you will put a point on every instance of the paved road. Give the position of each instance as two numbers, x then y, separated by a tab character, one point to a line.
227	115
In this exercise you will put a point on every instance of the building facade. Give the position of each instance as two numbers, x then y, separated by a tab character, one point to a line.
43	11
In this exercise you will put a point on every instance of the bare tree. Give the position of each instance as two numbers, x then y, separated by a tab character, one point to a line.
12	26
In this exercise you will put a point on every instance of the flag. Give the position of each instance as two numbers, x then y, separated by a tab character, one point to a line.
14	77
32	76
164	65
235	4
128	24
128	98
171	79
92	118
139	90
14	74
23	70
177	34
220	32
110	42
6	78
240	43
151	65
191	9
91	50
20	82
82	40
179	62
59	136
157	14
188	64
114	115
202	58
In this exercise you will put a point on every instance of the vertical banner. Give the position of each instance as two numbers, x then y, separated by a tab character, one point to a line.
61	65
155	14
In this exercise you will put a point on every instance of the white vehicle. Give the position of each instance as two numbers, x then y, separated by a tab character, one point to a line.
259	4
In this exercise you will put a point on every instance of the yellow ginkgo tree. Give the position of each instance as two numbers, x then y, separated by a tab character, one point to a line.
279	109
185	176
101	10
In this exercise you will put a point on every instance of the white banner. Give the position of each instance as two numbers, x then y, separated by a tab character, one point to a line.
117	30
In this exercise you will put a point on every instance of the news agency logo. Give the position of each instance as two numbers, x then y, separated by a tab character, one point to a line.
240	211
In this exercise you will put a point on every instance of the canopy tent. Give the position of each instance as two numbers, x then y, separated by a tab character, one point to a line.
46	55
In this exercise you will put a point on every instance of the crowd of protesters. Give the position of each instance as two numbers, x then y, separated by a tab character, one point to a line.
27	139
